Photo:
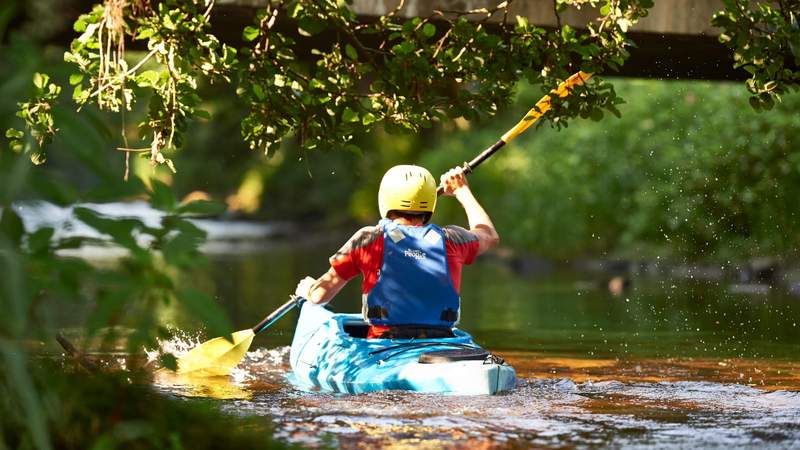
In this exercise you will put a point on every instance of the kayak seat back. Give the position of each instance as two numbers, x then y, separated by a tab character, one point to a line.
357	329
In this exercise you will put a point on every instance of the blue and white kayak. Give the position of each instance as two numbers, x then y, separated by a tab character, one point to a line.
330	353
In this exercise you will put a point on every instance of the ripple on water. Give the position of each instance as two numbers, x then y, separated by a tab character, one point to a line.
549	412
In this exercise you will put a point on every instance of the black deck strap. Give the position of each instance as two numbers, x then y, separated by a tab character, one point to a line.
453	355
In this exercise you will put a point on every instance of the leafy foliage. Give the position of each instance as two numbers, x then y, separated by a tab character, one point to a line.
39	123
404	74
107	411
176	34
125	298
765	39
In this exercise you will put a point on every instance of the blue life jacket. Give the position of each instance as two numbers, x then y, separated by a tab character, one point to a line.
414	285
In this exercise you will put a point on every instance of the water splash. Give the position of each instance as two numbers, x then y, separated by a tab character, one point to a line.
178	345
260	370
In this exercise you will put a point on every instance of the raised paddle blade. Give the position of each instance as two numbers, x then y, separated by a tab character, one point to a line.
218	356
543	105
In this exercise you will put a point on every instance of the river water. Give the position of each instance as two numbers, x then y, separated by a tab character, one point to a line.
672	362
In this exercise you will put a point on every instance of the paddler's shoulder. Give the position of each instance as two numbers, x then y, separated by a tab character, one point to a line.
458	235
366	235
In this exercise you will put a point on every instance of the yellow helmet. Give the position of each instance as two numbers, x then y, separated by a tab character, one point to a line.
407	188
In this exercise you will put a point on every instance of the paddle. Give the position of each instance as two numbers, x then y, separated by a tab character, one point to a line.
541	107
219	356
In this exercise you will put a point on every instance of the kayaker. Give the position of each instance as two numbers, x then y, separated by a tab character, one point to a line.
411	268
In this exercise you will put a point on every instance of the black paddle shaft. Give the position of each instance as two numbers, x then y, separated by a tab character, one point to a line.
277	314
476	161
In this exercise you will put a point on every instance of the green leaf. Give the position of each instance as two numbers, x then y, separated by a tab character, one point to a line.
250	33
351	52
12	133
259	92
567	33
203	307
146	33
39	242
75	79
368	118
161	196
308	26
80	25
349	115
148	78
404	48
181	249
40	80
120	230
11	227
767	102
428	30
167	22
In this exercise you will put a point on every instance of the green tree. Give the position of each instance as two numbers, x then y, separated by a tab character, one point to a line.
765	40
404	74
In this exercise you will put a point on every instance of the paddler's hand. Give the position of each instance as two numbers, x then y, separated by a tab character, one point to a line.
304	287
453	181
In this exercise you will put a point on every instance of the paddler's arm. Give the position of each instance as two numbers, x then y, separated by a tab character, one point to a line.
323	289
455	185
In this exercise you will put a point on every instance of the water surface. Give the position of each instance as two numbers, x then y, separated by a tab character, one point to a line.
670	363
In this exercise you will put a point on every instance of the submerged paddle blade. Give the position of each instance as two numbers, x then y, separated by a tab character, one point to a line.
218	356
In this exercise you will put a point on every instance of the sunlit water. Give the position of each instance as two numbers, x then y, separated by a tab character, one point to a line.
654	404
673	362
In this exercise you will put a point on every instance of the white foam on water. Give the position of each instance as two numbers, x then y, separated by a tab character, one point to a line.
178	345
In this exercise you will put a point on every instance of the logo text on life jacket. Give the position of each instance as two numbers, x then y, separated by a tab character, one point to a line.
416	254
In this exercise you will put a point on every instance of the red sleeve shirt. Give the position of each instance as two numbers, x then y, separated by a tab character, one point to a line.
363	253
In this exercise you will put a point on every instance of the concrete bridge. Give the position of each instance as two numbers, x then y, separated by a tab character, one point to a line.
675	41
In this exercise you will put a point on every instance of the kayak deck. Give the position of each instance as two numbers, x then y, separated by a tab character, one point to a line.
327	354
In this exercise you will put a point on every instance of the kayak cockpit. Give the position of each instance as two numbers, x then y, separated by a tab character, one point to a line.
330	352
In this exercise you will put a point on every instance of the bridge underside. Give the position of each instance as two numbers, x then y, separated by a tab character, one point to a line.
675	41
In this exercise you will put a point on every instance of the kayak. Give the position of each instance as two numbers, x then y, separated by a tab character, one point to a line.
330	353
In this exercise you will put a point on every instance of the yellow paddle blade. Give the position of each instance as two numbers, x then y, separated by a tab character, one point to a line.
218	356
543	105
